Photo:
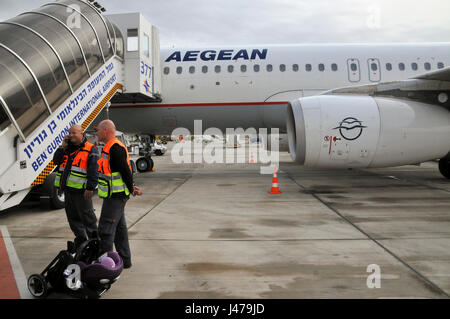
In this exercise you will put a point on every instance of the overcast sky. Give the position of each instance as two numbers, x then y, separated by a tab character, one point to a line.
219	22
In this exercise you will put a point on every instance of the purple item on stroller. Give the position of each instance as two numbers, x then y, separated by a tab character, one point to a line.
99	275
93	278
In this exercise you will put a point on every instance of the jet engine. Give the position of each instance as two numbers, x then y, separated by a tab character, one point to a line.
281	141
346	131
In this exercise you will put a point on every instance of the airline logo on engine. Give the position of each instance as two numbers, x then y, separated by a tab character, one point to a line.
218	55
350	128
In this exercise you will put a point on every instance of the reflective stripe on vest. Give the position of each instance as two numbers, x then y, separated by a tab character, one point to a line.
76	182
57	179
78	170
77	177
110	183
58	176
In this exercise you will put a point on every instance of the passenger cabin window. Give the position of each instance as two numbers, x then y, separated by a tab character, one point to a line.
440	65
179	69
243	68
427	66
414	66
374	66
166	70
269	68
204	69
192	69
334	67
132	40
230	68
401	66
146	45
217	69
354	67
295	67
321	67
282	67
388	66
256	68
308	67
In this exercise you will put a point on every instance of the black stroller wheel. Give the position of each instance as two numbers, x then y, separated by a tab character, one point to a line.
37	285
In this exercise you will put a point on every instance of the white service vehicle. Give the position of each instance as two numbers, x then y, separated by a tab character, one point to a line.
158	149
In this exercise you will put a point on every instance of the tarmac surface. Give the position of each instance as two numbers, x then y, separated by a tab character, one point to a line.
214	231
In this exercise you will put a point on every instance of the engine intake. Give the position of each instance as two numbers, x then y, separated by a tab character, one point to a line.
344	131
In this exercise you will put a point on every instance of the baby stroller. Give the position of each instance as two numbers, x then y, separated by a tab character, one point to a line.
78	272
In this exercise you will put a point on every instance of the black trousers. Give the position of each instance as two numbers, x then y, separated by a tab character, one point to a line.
112	227
80	215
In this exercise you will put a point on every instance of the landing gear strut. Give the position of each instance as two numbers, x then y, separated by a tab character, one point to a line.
145	163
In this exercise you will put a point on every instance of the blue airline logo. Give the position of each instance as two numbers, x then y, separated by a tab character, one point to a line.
222	55
146	86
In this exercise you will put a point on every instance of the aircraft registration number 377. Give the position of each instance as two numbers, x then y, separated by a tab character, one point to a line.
146	70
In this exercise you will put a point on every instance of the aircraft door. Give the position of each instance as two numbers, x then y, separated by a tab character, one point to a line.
374	70
354	72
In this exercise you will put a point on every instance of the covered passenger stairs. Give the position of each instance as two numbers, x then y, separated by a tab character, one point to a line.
59	66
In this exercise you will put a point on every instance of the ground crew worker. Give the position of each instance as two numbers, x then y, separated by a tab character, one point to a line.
77	175
115	184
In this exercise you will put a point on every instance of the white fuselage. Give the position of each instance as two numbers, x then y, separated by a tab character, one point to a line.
254	83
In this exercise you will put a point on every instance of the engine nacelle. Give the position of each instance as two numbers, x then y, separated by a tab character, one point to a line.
362	131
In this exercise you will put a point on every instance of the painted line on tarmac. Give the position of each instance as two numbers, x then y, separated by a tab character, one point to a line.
13	282
157	204
431	285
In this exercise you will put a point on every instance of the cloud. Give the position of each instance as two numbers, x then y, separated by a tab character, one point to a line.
237	22
12	8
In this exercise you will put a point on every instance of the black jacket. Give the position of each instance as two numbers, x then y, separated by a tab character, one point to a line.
92	166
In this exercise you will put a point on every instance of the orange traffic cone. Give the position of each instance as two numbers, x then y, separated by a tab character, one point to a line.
274	189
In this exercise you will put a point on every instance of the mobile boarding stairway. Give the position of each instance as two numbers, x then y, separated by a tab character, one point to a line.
59	66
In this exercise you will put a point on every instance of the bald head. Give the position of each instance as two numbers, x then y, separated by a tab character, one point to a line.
108	124
106	131
76	134
77	128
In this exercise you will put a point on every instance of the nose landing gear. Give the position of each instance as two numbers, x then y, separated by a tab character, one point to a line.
144	164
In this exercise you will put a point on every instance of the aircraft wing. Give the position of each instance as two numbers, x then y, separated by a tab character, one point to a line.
431	87
439	75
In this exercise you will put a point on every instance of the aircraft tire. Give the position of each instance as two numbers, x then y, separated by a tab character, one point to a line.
143	165
444	167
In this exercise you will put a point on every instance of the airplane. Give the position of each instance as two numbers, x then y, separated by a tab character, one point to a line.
340	105
336	105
